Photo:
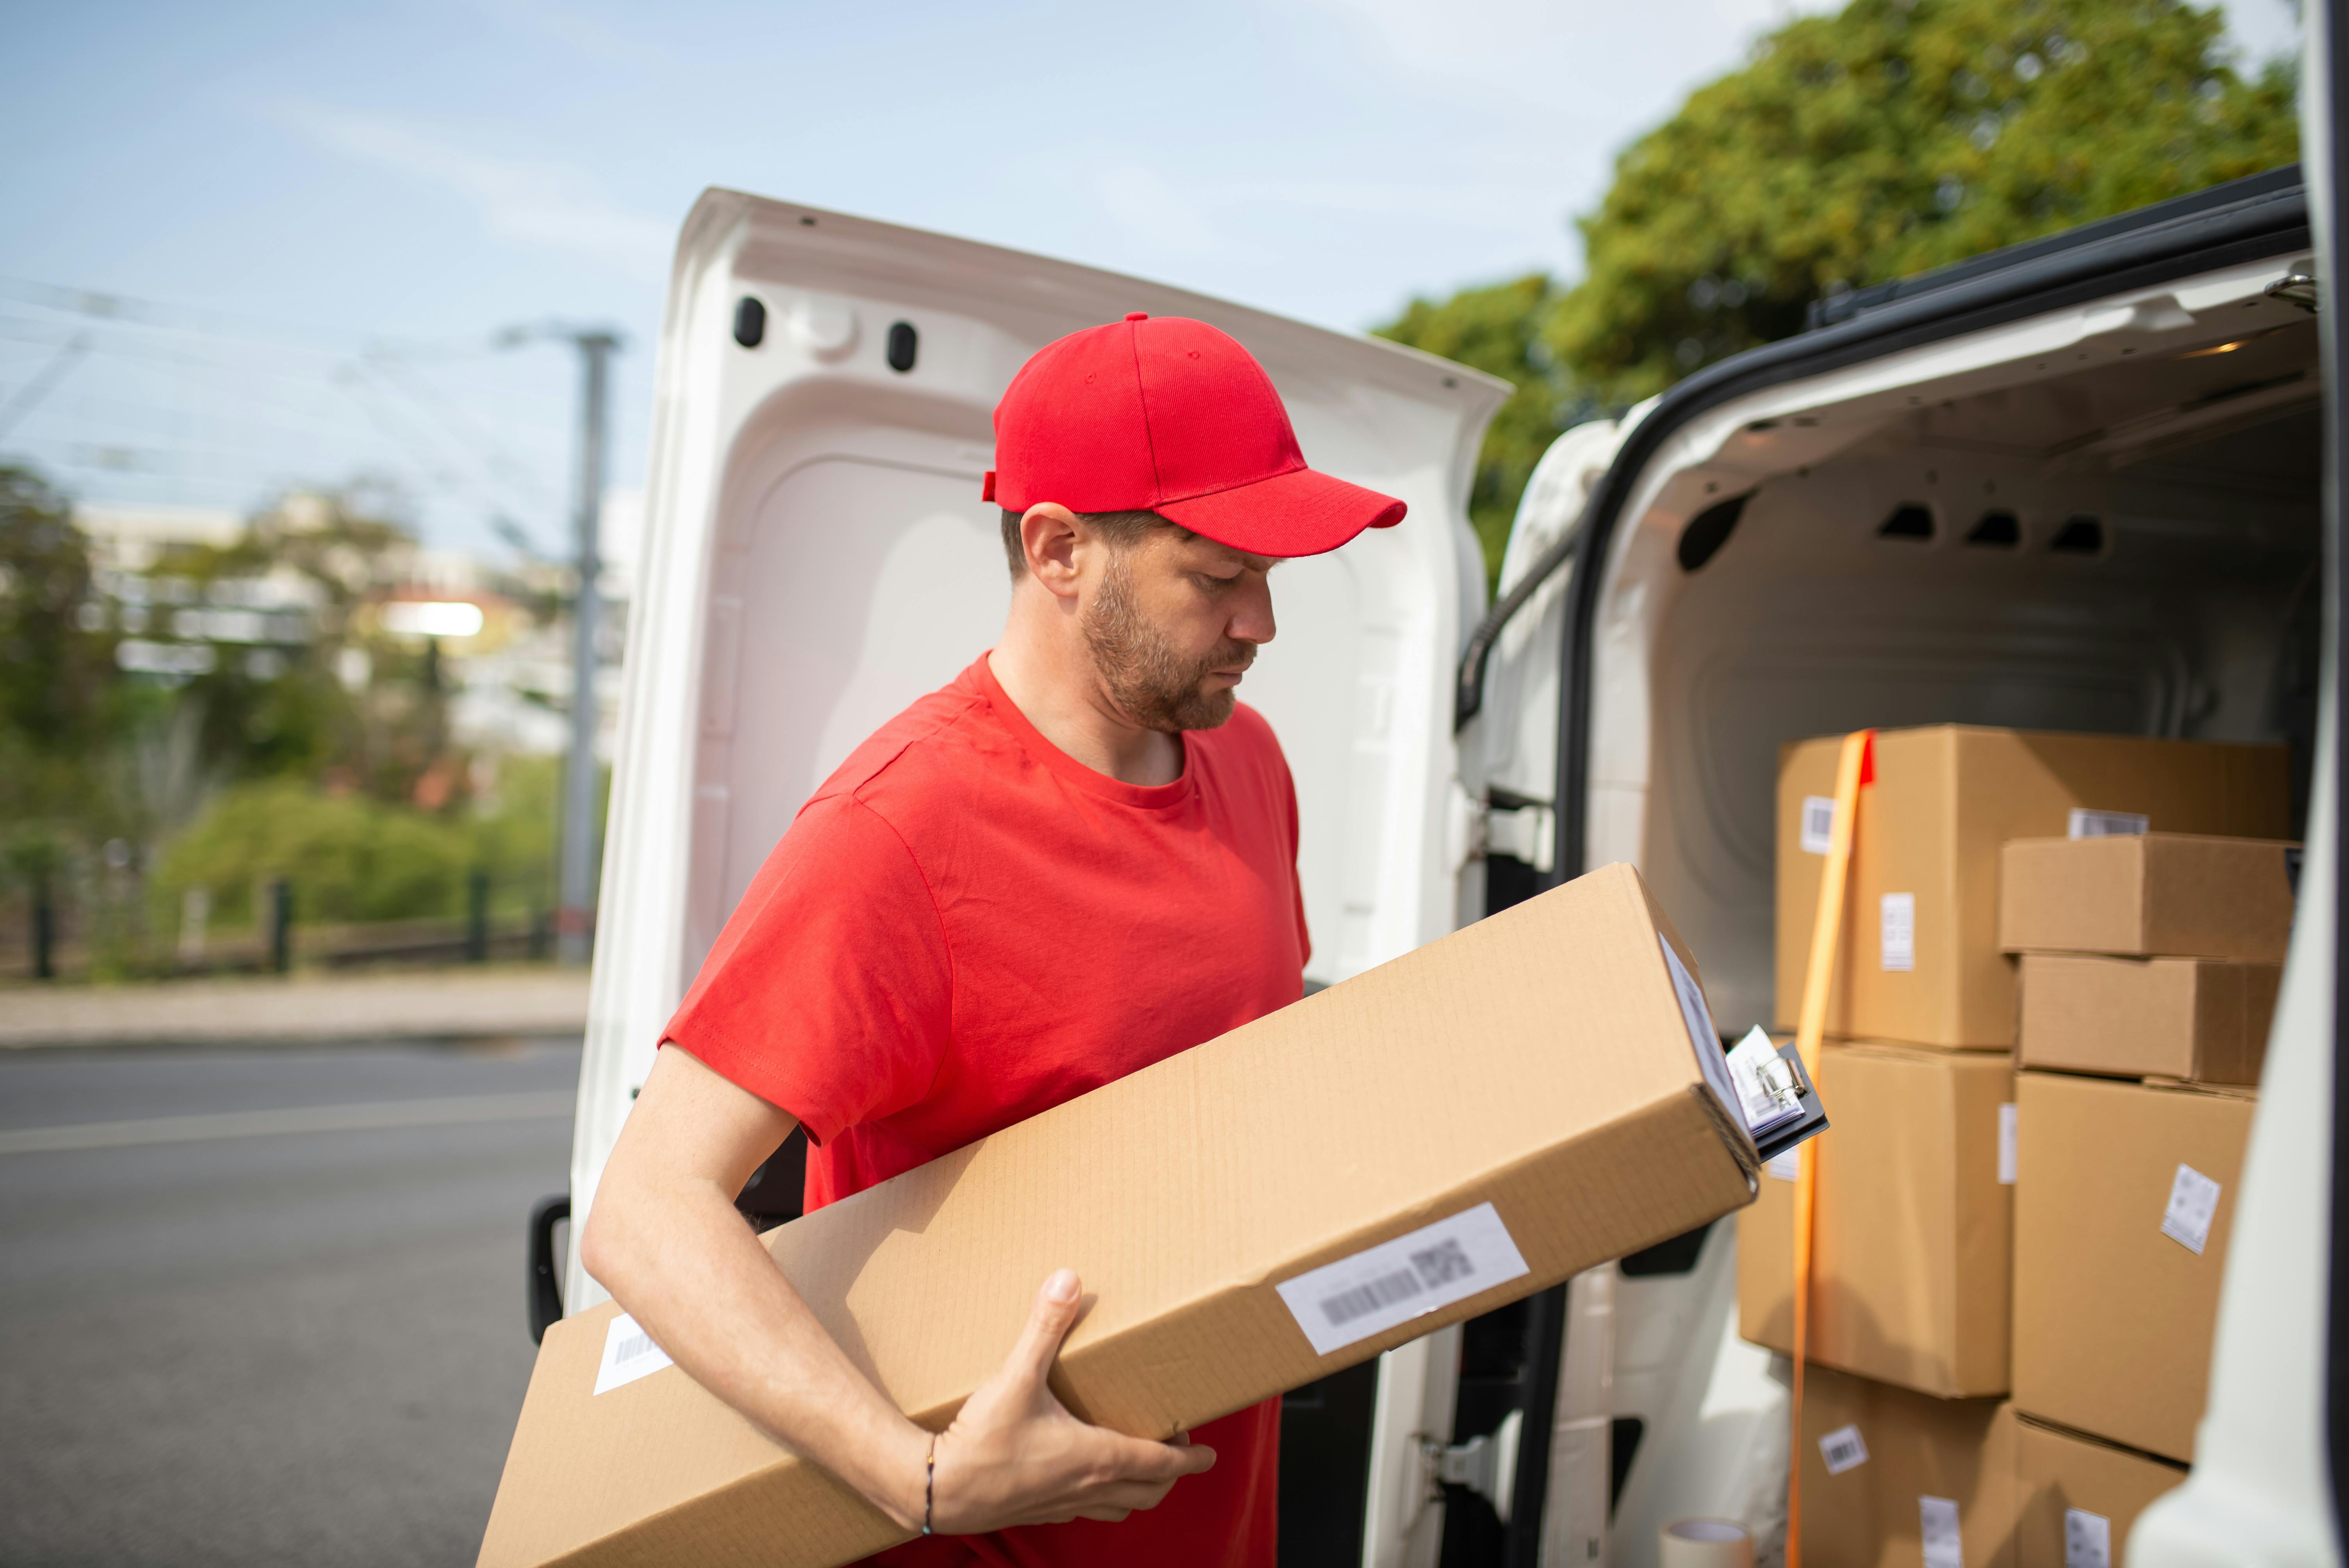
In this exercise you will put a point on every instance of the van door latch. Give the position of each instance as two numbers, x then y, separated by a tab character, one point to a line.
1523	829
1486	1465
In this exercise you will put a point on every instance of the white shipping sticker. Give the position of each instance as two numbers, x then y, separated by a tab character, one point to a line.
1766	1089
2193	1204
1819	824
1786	1167
629	1354
2006	1132
1897	937
1936	1524
1843	1449
1408	1277
2087	1540
2087	824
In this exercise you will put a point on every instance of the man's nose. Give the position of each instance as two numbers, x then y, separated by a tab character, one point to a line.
1251	619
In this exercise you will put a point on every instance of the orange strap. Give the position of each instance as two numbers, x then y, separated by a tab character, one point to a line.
1855	768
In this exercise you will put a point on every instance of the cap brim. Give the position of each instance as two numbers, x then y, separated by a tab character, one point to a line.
1298	514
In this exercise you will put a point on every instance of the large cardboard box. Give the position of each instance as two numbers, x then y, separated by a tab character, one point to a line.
1920	960
2076	1499
2124	1201
1883	1467
1914	1229
2172	895
2201	1020
1455	1129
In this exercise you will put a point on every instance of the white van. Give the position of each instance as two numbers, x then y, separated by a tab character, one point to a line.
2074	485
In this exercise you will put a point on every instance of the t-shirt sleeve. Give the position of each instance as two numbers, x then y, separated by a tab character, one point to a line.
829	992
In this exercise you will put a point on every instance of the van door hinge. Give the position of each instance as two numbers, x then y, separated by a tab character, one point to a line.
1486	1465
1524	831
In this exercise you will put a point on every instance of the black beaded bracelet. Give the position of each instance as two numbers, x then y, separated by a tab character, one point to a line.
929	1483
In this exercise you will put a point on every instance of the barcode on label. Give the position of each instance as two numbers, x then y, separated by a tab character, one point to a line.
1843	1449
2087	824
1396	1280
1819	824
629	1354
2087	1540
1349	1304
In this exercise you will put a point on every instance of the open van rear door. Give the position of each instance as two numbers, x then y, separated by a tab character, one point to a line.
817	555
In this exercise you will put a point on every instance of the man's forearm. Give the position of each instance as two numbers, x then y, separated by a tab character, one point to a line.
678	1257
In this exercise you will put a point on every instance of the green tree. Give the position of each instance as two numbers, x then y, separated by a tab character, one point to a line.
1890	137
1893	138
1496	329
58	685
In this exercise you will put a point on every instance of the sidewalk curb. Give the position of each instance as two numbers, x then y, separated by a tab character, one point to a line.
464	1003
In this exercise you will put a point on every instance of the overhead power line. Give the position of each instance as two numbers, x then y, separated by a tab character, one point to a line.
28	396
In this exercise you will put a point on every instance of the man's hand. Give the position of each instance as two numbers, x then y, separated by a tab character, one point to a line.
1015	1456
664	1238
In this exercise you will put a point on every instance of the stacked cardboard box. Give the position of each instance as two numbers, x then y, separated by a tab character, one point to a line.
1921	1318
2152	962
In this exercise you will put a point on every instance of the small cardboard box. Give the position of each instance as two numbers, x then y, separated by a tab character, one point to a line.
1891	1478
1920	960
2201	1020
2153	895
2124	1201
1914	1229
1451	1131
2076	1499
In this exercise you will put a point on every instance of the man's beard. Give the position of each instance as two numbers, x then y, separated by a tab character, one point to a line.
1151	682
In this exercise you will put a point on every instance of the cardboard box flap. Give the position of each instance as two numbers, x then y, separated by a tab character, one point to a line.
1539	1061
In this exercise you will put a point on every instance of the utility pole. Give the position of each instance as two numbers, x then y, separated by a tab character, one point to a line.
574	920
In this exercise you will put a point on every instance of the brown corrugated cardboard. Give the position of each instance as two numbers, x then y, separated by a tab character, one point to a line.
2158	894
2120	1246
1881	1465
1913	1232
2059	1473
1539	1061
2201	1020
1945	800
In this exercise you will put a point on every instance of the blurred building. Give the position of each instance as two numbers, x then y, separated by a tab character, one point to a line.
503	645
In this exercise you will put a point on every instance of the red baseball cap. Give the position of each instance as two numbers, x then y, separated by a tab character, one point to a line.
1168	415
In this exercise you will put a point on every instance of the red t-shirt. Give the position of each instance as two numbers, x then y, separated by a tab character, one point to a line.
965	927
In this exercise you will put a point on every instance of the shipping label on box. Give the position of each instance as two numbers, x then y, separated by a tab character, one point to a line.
2121	1219
1451	1131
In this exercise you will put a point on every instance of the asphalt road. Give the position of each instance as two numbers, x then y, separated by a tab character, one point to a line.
266	1307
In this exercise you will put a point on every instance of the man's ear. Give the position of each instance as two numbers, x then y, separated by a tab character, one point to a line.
1050	534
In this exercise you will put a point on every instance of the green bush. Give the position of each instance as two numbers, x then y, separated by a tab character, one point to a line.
349	857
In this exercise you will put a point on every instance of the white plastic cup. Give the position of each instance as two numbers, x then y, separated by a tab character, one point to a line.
1705	1543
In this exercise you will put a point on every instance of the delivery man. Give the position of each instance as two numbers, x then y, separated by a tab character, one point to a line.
1075	859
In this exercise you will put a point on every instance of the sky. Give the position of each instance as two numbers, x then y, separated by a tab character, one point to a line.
250	247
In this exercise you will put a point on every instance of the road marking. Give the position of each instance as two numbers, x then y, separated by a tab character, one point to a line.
365	1118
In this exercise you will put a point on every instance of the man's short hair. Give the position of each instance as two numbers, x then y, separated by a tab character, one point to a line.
1122	529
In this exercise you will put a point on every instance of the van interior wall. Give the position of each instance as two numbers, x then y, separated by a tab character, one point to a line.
2038	558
